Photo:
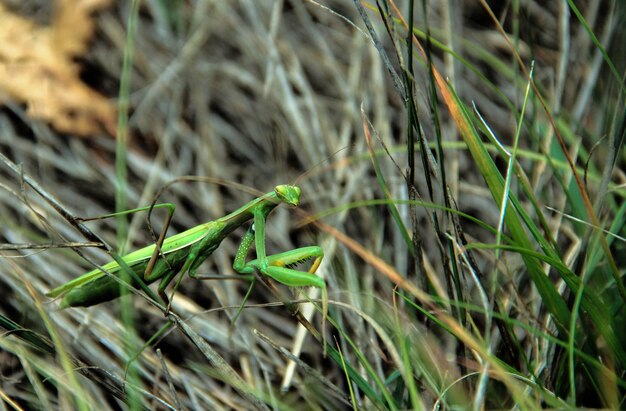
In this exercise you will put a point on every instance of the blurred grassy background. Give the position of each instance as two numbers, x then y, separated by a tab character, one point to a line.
427	307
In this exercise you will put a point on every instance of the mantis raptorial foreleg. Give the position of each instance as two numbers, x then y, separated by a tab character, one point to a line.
276	266
280	266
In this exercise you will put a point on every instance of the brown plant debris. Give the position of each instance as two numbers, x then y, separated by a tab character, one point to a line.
38	68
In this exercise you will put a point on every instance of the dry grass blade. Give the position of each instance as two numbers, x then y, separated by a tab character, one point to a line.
488	275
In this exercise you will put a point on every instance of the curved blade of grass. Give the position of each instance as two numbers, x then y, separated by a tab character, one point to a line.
550	398
225	371
581	188
383	185
553	301
356	378
599	45
345	370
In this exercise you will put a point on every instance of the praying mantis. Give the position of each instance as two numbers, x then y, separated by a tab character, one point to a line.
184	252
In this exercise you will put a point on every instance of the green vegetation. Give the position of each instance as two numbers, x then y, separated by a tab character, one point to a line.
462	169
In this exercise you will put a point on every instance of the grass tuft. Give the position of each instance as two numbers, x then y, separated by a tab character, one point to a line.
461	166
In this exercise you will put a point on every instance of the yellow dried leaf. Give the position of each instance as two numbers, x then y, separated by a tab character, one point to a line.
37	69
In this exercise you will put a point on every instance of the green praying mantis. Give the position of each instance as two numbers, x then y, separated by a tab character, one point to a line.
184	252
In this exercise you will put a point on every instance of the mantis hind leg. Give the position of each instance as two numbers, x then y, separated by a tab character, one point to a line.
247	277
170	207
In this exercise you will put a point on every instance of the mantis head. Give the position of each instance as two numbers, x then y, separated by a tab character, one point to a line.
288	194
